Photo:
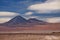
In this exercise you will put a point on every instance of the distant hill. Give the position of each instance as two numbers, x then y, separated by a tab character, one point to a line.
36	21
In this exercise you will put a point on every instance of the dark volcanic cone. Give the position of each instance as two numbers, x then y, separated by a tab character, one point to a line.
16	20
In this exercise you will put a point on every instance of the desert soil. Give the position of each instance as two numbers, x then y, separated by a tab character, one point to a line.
28	37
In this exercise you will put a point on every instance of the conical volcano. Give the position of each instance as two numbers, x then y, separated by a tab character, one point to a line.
16	20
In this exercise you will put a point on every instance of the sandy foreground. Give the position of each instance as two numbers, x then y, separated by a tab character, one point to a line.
29	36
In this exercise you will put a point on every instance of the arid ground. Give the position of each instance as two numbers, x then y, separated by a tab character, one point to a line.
22	33
29	36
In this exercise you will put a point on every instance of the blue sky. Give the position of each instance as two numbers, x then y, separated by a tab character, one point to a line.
47	10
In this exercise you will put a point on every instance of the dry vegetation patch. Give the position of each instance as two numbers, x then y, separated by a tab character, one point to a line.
28	37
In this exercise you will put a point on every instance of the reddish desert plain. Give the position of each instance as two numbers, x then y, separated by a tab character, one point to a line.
55	26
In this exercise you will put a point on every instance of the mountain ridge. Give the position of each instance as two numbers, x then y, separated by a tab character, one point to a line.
22	21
